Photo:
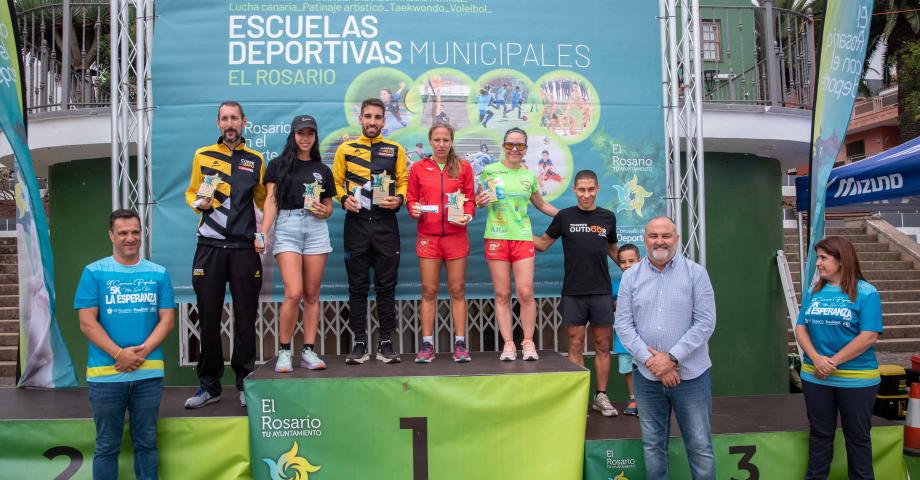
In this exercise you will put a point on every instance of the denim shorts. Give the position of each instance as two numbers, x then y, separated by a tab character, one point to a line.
300	232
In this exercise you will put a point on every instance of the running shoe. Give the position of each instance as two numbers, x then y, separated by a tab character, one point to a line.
530	350
358	354
602	404
425	353
461	354
631	409
509	352
385	352
309	359
283	364
200	399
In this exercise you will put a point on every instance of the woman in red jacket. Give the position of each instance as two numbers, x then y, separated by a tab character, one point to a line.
433	183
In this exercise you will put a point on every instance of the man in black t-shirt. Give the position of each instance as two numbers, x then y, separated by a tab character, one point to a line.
589	237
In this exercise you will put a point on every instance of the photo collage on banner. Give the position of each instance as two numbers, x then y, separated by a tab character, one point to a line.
587	91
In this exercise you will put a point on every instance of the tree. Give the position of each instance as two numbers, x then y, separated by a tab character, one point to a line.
896	28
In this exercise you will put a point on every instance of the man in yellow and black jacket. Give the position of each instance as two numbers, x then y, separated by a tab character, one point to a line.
371	236
226	251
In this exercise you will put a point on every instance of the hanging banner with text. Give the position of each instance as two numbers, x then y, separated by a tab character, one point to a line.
587	90
843	52
472	426
43	357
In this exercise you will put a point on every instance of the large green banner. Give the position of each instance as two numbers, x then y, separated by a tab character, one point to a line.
483	426
190	448
584	81
750	456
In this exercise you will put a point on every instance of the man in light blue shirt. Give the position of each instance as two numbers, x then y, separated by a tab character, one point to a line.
125	305
665	315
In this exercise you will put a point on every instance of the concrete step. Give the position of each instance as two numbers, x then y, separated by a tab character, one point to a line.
877	275
898	345
9	269
8	353
7	249
902	307
863	257
9	326
8	369
7	240
887	296
883	284
844	231
9	300
891	332
9	289
862	238
9	313
9	339
860	247
9	278
8	259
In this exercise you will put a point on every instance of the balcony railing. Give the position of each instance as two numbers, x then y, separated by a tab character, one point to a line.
868	106
766	56
77	37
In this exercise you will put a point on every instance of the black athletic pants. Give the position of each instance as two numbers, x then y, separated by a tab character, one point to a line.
213	267
854	405
371	244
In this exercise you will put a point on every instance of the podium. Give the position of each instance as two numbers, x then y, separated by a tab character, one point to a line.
484	419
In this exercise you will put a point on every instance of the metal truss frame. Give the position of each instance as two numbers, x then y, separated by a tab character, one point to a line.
681	84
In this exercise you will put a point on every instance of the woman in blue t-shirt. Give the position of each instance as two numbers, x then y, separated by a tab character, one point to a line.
839	322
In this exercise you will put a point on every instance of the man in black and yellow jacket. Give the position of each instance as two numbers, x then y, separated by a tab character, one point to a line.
371	235
226	251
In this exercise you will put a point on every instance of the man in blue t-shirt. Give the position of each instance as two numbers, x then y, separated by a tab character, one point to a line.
125	305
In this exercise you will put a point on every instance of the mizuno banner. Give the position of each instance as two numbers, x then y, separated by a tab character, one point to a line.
894	173
43	357
843	51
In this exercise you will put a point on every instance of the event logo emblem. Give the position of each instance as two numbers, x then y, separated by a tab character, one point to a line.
289	466
632	196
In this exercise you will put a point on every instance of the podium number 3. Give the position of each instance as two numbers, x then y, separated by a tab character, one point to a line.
419	427
744	463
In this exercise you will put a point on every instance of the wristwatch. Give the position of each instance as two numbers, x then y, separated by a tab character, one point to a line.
673	359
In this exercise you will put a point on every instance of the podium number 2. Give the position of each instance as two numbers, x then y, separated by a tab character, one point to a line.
419	427
75	456
744	463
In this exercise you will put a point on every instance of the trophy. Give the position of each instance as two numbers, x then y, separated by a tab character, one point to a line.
455	202
208	186
380	185
492	186
311	194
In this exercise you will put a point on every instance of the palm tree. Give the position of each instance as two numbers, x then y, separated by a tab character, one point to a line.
896	29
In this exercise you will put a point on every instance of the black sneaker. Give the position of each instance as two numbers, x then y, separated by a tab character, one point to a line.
358	354
385	352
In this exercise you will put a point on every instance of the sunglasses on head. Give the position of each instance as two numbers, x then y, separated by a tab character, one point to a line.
508	146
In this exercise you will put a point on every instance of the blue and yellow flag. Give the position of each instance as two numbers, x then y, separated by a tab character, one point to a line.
843	51
43	356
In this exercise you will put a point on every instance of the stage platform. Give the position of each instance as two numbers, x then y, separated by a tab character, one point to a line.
466	408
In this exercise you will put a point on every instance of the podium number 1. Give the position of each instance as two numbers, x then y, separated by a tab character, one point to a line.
419	427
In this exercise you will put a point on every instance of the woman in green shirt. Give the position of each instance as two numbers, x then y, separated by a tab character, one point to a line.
506	189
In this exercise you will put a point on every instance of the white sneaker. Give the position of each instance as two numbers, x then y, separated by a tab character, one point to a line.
602	404
509	352
529	350
309	359
283	365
